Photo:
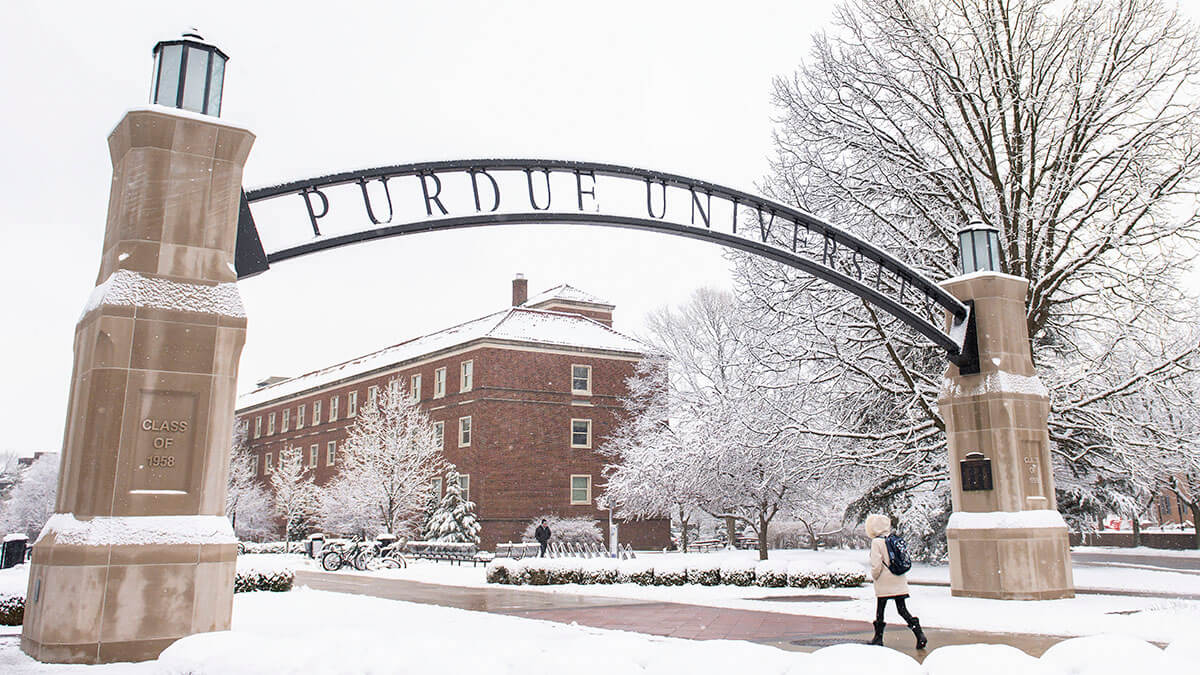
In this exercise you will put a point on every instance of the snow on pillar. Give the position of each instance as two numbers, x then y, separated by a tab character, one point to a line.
1006	538
139	552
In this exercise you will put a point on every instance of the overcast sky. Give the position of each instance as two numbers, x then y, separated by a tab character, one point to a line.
681	87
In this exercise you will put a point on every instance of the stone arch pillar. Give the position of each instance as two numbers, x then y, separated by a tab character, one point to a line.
139	552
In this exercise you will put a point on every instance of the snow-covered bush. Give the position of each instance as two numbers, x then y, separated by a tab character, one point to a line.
771	574
565	574
278	580
704	574
845	574
635	571
737	572
497	572
598	571
670	574
567	530
804	574
253	547
12	610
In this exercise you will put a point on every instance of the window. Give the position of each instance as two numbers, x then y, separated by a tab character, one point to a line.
372	396
314	452
466	373
352	404
333	406
414	387
581	489
284	426
464	431
581	433
316	413
439	434
255	466
299	418
268	465
270	424
581	380
464	484
330	453
394	388
258	426
439	383
435	486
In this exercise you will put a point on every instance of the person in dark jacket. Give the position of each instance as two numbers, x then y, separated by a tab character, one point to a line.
542	534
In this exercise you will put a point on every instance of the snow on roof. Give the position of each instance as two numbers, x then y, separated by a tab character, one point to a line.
516	324
568	293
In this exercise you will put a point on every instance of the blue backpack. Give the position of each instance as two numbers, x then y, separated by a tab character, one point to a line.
899	560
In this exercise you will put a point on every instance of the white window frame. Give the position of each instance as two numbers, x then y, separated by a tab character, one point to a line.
258	426
393	387
588	500
435	486
372	395
299	417
330	453
464	484
588	443
466	375
268	464
352	404
439	434
256	463
316	418
333	407
586	391
314	454
467	428
283	424
439	382
271	424
414	388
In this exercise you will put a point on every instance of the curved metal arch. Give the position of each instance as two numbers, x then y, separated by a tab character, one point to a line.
889	293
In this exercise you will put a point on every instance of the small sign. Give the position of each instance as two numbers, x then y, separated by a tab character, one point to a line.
166	431
976	472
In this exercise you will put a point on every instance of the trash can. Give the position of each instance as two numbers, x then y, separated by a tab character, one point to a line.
314	544
13	550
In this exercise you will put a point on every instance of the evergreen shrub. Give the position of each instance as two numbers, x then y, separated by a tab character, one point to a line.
12	610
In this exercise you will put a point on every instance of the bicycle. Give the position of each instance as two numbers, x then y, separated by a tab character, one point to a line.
337	554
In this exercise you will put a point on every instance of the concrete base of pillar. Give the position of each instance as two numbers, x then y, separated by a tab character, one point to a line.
91	603
1010	563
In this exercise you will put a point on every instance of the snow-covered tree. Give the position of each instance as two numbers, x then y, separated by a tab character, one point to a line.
293	492
566	530
1071	127
9	472
30	503
388	461
247	504
455	518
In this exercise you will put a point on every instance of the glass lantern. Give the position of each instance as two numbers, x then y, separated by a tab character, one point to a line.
979	248
188	74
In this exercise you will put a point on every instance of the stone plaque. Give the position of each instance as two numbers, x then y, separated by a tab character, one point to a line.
976	472
165	442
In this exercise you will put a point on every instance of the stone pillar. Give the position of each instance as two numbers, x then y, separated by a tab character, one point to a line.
139	552
1009	541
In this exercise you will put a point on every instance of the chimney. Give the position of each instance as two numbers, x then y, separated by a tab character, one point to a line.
520	290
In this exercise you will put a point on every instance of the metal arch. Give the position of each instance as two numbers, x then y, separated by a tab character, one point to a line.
952	341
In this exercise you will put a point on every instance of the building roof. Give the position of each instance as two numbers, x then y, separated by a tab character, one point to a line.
566	293
516	324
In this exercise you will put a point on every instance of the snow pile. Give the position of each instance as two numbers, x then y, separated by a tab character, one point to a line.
852	659
138	530
1001	381
1038	518
126	288
984	660
1107	655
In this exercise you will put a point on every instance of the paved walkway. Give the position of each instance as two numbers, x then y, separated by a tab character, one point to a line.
697	622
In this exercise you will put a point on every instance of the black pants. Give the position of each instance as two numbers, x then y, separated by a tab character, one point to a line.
881	603
543	544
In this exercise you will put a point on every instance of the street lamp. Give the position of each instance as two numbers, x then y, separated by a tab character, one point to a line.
188	74
979	248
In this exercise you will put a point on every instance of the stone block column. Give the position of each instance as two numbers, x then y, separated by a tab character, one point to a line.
139	552
1006	541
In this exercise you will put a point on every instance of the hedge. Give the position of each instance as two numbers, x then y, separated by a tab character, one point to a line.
278	580
543	572
12	610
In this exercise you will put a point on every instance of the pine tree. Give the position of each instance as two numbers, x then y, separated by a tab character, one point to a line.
454	519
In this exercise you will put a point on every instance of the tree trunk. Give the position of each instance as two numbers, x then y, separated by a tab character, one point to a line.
762	538
1137	530
683	531
1195	507
731	530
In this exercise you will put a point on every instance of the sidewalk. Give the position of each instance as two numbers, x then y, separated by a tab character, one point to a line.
785	631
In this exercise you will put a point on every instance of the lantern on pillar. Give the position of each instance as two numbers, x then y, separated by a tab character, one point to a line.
188	74
979	248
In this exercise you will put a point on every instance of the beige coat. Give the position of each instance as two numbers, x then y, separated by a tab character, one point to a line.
886	584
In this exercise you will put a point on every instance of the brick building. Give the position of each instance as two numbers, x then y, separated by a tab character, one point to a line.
521	399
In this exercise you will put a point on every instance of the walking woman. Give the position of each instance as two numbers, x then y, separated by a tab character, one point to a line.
888	586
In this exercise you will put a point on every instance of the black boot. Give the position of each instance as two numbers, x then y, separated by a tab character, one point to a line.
878	639
915	625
